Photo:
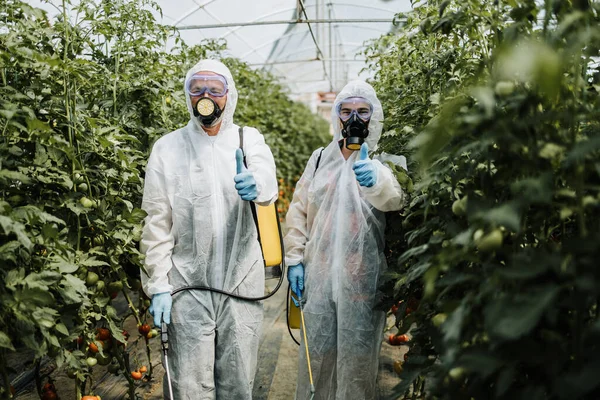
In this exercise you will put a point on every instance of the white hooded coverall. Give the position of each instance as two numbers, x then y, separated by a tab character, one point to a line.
336	229
200	232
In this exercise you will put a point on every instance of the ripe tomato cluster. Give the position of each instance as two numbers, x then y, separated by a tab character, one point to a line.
397	340
49	392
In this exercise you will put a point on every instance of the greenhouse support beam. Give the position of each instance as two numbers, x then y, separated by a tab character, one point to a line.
307	60
283	22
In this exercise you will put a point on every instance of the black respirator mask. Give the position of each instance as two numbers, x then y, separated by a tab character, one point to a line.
208	112
355	114
355	130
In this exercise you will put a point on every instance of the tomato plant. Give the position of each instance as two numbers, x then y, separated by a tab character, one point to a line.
81	103
496	105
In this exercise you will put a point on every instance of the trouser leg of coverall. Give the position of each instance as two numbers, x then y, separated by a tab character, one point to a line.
238	336
192	347
358	355
321	335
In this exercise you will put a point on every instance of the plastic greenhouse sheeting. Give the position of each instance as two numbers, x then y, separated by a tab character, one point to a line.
306	65
256	32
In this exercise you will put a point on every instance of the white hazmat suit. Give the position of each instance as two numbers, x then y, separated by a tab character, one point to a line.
336	229
199	232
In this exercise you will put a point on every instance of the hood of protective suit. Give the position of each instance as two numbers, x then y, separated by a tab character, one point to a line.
360	88
232	94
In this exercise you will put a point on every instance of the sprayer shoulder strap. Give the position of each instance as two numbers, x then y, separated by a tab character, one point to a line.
252	205
318	160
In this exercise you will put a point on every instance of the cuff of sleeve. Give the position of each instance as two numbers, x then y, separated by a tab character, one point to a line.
262	198
158	286
293	261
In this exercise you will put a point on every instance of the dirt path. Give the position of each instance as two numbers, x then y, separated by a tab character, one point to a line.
275	377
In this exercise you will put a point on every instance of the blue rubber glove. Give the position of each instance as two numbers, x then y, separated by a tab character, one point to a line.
295	276
160	308
365	169
244	180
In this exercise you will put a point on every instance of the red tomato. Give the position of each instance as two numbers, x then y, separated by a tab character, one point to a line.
144	329
102	334
137	375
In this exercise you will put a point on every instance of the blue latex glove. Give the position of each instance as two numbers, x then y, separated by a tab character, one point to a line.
160	308
365	169
244	180
295	276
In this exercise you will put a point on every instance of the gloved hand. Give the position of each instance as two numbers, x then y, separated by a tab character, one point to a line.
365	169
295	276
244	180
160	308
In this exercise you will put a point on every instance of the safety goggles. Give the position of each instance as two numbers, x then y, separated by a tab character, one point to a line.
358	106
198	84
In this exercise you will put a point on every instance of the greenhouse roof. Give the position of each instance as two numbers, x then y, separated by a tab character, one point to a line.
311	45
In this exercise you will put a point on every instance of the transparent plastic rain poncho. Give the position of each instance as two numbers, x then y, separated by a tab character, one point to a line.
199	232
336	229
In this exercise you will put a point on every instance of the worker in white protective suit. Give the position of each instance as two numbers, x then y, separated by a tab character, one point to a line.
335	250
200	231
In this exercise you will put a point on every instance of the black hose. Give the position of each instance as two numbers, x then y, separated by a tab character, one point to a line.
236	296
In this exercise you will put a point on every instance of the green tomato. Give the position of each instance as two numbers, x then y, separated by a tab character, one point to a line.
100	285
438	319
103	359
113	368
459	207
91	361
504	88
478	235
456	373
136	284
116	286
152	333
490	242
92	278
83	187
87	203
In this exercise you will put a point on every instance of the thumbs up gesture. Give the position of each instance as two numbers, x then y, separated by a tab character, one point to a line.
244	180
364	169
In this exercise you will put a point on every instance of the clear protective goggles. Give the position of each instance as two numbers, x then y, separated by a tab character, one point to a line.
198	84
358	106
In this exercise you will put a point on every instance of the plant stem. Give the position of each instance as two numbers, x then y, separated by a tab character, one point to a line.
132	307
5	379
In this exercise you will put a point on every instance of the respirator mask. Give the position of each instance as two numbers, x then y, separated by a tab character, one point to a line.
207	110
355	114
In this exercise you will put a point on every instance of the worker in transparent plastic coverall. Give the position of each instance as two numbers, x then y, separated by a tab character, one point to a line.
336	231
199	231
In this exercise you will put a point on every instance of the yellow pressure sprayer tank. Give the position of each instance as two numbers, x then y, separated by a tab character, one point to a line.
269	231
270	239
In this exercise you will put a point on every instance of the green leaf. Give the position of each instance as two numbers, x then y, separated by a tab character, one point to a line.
72	289
93	262
453	325
506	215
577	384
6	175
60	327
5	341
10	226
534	190
42	280
64	266
481	362
511	316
